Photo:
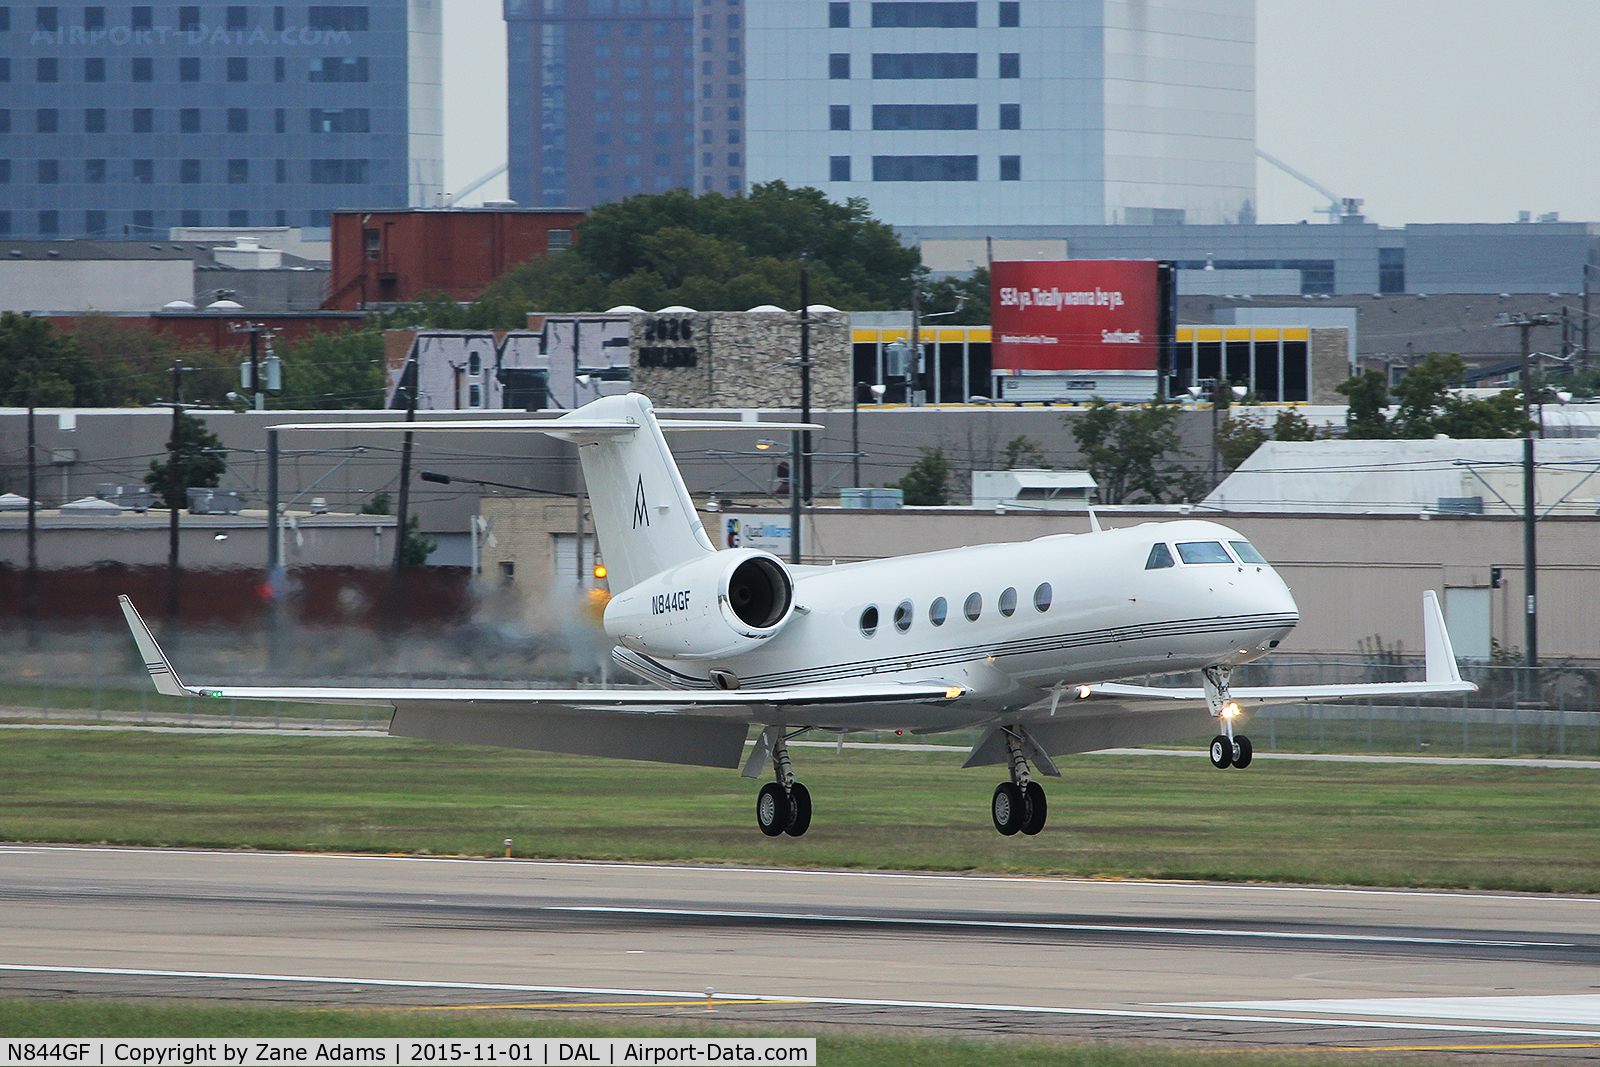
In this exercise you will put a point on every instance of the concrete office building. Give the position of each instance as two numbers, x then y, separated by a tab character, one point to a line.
127	120
1041	112
1351	257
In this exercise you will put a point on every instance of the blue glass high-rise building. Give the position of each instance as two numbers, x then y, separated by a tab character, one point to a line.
602	99
123	120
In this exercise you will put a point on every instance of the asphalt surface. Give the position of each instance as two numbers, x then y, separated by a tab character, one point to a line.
1477	975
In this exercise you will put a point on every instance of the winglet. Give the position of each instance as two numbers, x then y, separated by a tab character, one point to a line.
155	660
1439	658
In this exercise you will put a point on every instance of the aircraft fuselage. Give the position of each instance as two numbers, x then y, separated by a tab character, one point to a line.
1010	621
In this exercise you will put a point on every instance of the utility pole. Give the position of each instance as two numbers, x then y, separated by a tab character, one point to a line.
804	471
174	487
1530	561
403	510
275	582
1524	323
1587	267
914	372
31	589
795	439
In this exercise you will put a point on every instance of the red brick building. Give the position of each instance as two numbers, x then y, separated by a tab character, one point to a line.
386	257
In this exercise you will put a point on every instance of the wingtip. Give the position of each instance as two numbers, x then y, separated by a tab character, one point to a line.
1439	658
156	663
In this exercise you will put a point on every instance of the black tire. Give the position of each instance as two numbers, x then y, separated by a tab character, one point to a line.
799	810
1243	750
1037	809
1008	808
1221	753
772	809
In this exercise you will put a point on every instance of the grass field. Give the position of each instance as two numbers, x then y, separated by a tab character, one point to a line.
846	1049
1404	825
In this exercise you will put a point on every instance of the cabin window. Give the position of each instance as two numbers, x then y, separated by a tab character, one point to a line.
1203	552
973	607
1008	602
902	616
937	611
1160	556
1041	597
869	620
1247	552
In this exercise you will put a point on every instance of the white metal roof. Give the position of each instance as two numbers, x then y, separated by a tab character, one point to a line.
1410	477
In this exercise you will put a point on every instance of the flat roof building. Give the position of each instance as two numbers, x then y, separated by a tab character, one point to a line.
125	121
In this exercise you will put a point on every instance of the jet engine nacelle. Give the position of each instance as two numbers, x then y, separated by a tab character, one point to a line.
719	605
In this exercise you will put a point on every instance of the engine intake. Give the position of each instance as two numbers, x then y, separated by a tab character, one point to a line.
722	604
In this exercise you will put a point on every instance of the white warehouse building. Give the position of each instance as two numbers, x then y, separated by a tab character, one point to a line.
1040	112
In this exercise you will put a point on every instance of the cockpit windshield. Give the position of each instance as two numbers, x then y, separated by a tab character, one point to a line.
1160	556
1203	552
1247	552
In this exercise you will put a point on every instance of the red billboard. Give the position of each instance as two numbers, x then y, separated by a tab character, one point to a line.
1074	314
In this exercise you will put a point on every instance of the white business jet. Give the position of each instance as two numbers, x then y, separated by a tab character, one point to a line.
1022	641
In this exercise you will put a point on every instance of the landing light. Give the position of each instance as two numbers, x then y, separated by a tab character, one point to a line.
1230	710
1083	692
951	692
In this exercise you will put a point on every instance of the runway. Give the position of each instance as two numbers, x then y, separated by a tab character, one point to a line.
1220	966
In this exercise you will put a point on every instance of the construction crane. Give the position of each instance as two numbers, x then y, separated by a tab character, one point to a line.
1339	208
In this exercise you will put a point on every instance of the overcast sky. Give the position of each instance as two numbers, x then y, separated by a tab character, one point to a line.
1430	110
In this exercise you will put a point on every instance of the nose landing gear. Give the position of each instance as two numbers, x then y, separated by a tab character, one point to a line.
1228	749
1018	806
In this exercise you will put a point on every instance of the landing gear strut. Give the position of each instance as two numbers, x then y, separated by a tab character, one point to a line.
1228	749
784	805
1019	805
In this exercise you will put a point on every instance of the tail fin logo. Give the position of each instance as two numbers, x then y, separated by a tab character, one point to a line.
641	512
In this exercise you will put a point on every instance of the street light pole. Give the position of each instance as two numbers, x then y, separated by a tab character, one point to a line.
804	470
31	592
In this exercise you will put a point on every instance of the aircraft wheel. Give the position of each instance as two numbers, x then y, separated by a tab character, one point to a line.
1009	808
772	809
1037	809
1221	752
799	810
1243	750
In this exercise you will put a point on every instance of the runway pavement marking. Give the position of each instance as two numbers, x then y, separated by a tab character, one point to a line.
853	1002
701	1003
1573	1009
996	924
809	872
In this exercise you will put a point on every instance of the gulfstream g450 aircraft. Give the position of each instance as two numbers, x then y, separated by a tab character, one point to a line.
1023	641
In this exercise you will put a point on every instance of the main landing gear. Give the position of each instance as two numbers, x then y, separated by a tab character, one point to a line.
1018	805
784	805
1228	749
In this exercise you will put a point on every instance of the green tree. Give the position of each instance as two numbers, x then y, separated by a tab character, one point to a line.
418	546
41	367
377	504
332	370
1238	437
1290	425
1369	398
1425	405
966	298
1024	451
201	463
1125	450
925	484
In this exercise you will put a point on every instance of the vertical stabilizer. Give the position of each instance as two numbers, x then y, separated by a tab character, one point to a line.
643	515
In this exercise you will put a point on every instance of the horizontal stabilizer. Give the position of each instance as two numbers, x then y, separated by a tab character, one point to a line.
592	428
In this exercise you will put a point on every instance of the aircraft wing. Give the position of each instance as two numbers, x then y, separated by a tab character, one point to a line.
1440	675
703	727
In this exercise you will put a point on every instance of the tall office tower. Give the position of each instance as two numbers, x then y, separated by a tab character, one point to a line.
1036	112
122	120
978	113
601	99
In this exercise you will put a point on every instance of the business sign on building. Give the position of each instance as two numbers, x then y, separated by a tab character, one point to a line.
759	532
1075	315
